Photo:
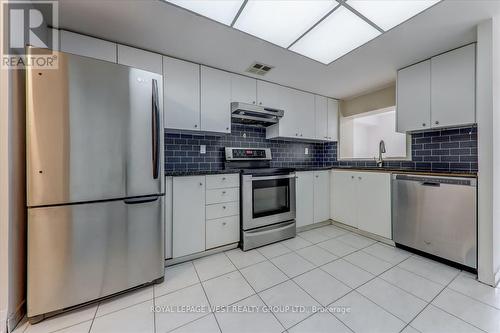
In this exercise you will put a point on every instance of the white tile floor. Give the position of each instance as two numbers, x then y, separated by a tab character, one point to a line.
344	283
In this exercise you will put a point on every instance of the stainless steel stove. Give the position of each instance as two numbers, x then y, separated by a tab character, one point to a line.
267	197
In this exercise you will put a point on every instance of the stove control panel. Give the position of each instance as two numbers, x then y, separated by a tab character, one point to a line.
245	154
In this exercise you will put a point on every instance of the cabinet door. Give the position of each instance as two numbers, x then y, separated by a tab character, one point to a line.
272	95
321	196
413	109
188	215
181	94
137	58
302	112
333	120
453	76
215	100
321	114
304	198
168	217
243	89
373	199
343	196
87	46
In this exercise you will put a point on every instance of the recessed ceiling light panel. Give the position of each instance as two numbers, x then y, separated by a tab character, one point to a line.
389	13
281	22
223	11
338	34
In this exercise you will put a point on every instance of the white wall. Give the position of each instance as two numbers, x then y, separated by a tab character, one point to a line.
488	118
360	135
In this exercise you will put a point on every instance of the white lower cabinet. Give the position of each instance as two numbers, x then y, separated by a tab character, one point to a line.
304	198
373	199
224	209
222	231
201	213
188	215
312	197
168	217
343	196
362	200
321	196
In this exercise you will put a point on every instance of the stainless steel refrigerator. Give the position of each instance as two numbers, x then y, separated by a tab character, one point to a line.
94	182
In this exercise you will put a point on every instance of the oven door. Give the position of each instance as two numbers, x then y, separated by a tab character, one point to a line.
267	200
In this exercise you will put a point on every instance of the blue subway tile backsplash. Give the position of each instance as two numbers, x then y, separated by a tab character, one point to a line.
434	150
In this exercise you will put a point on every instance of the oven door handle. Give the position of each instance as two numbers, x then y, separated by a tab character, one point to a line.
273	177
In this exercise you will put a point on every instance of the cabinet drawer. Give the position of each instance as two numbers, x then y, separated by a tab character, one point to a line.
221	195
223	181
222	231
223	209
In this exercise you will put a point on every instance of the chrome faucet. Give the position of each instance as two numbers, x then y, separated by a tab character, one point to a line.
381	150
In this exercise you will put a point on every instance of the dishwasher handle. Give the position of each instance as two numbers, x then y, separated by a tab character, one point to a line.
435	181
432	184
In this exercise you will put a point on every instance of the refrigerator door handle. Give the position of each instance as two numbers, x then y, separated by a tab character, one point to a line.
155	122
139	200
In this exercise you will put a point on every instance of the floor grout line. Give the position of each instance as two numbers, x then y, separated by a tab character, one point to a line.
430	303
206	296
256	293
295	251
95	314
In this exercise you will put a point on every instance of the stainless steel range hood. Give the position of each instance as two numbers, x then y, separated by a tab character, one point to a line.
251	114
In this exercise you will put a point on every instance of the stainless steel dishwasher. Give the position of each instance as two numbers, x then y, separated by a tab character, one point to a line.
436	215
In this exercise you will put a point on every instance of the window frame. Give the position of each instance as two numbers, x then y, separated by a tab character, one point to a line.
408	156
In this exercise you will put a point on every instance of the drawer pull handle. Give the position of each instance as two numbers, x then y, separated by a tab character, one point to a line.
201	184
224	223
223	207
223	178
223	192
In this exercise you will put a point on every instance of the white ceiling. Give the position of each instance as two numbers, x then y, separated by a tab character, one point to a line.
161	27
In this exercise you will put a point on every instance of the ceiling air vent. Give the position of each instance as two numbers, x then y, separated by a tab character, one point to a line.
259	69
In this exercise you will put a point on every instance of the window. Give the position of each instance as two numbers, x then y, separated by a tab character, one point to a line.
360	136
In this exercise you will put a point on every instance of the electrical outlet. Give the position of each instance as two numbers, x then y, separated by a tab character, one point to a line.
203	149
306	151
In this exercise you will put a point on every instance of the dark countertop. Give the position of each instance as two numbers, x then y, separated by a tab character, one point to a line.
396	170
365	169
177	173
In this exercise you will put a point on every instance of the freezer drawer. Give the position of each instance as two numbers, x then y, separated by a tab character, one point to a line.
436	215
79	253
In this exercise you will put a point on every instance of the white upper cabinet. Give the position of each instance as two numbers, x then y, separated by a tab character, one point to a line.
305	198
453	77
413	105
327	115
333	120
321	114
181	94
272	95
321	196
137	58
243	89
302	109
439	92
215	100
87	46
